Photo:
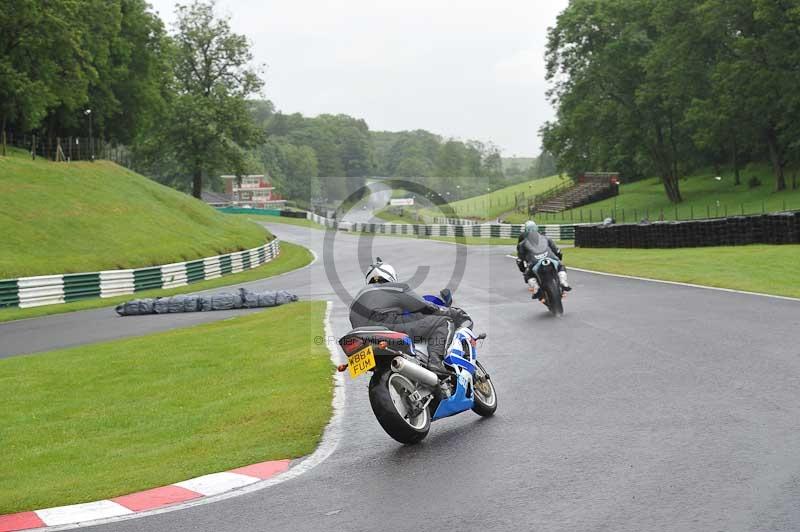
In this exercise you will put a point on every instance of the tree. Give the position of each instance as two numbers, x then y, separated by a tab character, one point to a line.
755	75
492	165
209	122
618	98
40	60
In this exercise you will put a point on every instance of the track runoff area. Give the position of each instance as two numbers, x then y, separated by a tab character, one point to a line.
646	406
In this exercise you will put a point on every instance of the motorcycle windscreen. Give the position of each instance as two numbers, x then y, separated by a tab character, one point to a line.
535	244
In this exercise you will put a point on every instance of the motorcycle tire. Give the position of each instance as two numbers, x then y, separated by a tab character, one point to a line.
391	409
485	395
552	294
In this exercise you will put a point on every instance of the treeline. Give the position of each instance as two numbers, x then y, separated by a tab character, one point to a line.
184	103
447	167
178	101
308	157
661	87
297	150
61	58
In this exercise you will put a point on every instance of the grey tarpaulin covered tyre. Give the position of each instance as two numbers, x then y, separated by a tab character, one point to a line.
242	298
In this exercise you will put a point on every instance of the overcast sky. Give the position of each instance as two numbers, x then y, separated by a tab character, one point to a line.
470	69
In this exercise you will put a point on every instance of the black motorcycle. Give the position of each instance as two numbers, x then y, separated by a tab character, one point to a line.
545	271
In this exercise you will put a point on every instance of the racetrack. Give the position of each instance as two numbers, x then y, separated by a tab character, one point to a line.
646	407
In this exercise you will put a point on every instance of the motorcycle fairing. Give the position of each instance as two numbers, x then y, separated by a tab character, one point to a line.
464	368
461	399
536	267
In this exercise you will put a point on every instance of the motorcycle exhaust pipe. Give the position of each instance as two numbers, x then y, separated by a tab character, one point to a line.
414	372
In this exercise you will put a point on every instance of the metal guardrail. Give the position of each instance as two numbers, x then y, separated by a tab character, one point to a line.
558	232
54	289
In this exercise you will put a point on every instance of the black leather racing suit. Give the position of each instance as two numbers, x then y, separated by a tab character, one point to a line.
396	306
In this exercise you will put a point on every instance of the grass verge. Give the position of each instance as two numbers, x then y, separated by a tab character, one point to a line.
292	257
703	197
724	267
103	420
300	222
484	207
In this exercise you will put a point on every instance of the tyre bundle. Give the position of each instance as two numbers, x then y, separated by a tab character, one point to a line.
242	298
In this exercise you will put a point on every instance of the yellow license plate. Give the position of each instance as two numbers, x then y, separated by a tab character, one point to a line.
361	362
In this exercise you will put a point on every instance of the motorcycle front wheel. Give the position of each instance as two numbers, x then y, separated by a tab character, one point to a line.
552	296
388	396
484	393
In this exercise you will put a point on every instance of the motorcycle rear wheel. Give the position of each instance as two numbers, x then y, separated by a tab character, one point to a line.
388	393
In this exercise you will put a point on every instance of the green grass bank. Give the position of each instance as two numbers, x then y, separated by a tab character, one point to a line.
291	258
703	197
84	217
484	207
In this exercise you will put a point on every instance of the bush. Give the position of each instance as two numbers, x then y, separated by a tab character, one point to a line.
753	182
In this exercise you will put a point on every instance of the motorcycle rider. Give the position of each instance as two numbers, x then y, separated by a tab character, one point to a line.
385	301
529	240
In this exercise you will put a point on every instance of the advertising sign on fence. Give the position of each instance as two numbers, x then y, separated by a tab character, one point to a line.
402	201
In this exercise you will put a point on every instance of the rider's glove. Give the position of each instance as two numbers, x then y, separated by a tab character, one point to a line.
521	265
560	255
459	316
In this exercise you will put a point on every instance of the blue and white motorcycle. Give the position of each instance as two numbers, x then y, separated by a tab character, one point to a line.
404	395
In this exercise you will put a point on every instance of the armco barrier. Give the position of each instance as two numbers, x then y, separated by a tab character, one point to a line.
557	232
779	228
453	221
466	228
52	289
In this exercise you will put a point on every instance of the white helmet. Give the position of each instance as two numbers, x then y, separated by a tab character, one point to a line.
380	272
530	226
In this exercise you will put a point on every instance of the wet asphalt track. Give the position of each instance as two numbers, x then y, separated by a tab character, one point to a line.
646	407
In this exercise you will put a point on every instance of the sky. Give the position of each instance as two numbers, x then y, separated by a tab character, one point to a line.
467	69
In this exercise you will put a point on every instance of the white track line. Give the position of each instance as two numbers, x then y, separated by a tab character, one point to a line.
330	441
704	287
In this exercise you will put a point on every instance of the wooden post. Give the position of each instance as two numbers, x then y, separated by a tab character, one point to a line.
33	147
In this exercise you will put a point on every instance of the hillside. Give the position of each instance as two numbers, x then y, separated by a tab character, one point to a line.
703	196
486	207
76	217
520	164
491	205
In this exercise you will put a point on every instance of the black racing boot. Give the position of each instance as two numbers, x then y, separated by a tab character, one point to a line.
435	365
